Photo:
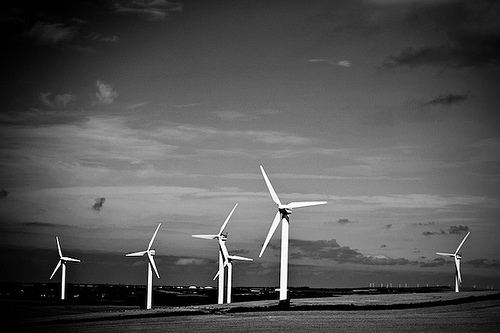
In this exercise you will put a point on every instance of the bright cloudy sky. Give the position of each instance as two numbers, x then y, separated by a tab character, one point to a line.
118	115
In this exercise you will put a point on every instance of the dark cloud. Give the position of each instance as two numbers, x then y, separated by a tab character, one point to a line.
485	263
3	194
388	226
239	252
40	224
448	99
99	202
424	224
331	250
431	233
383	246
154	10
461	229
471	29
345	221
434	263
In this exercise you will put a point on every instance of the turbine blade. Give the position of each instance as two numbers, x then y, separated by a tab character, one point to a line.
59	247
223	249
463	241
136	254
205	236
457	267
276	221
226	262
70	259
305	204
445	254
55	270
152	262
227	220
270	187
239	258
154	235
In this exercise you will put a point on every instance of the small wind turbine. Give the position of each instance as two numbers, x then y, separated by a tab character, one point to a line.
151	266
284	210
458	257
228	261
62	262
221	238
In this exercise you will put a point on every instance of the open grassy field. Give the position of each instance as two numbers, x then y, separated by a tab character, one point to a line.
431	312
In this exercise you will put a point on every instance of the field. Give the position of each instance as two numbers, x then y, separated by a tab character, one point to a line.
432	312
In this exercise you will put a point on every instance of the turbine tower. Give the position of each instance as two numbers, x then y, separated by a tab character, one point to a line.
228	261
62	262
151	266
221	238
458	257
284	210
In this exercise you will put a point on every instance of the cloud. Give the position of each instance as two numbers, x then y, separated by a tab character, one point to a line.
105	94
95	36
431	233
233	115
424	223
99	202
331	250
485	263
458	229
344	63
448	99
55	101
46	33
191	262
41	224
472	32
341	63
345	221
435	263
155	10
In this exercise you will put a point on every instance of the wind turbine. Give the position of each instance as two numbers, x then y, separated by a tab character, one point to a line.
151	266
62	262
228	261
284	210
221	238
458	257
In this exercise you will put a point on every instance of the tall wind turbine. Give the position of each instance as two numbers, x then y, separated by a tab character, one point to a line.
228	261
284	210
62	262
220	237
458	257
151	266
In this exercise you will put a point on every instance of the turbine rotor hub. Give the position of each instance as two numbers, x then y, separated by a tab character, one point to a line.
285	210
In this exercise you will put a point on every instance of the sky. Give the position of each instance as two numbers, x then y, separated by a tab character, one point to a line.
118	115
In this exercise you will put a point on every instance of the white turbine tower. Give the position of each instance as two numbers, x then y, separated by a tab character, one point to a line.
458	257
284	210
221	237
151	266
228	261
62	262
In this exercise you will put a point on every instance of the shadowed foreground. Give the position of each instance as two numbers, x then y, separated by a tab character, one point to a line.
434	312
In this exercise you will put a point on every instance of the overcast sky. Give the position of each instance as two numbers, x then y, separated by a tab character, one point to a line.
118	115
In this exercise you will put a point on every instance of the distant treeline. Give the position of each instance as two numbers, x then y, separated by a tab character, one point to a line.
173	295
